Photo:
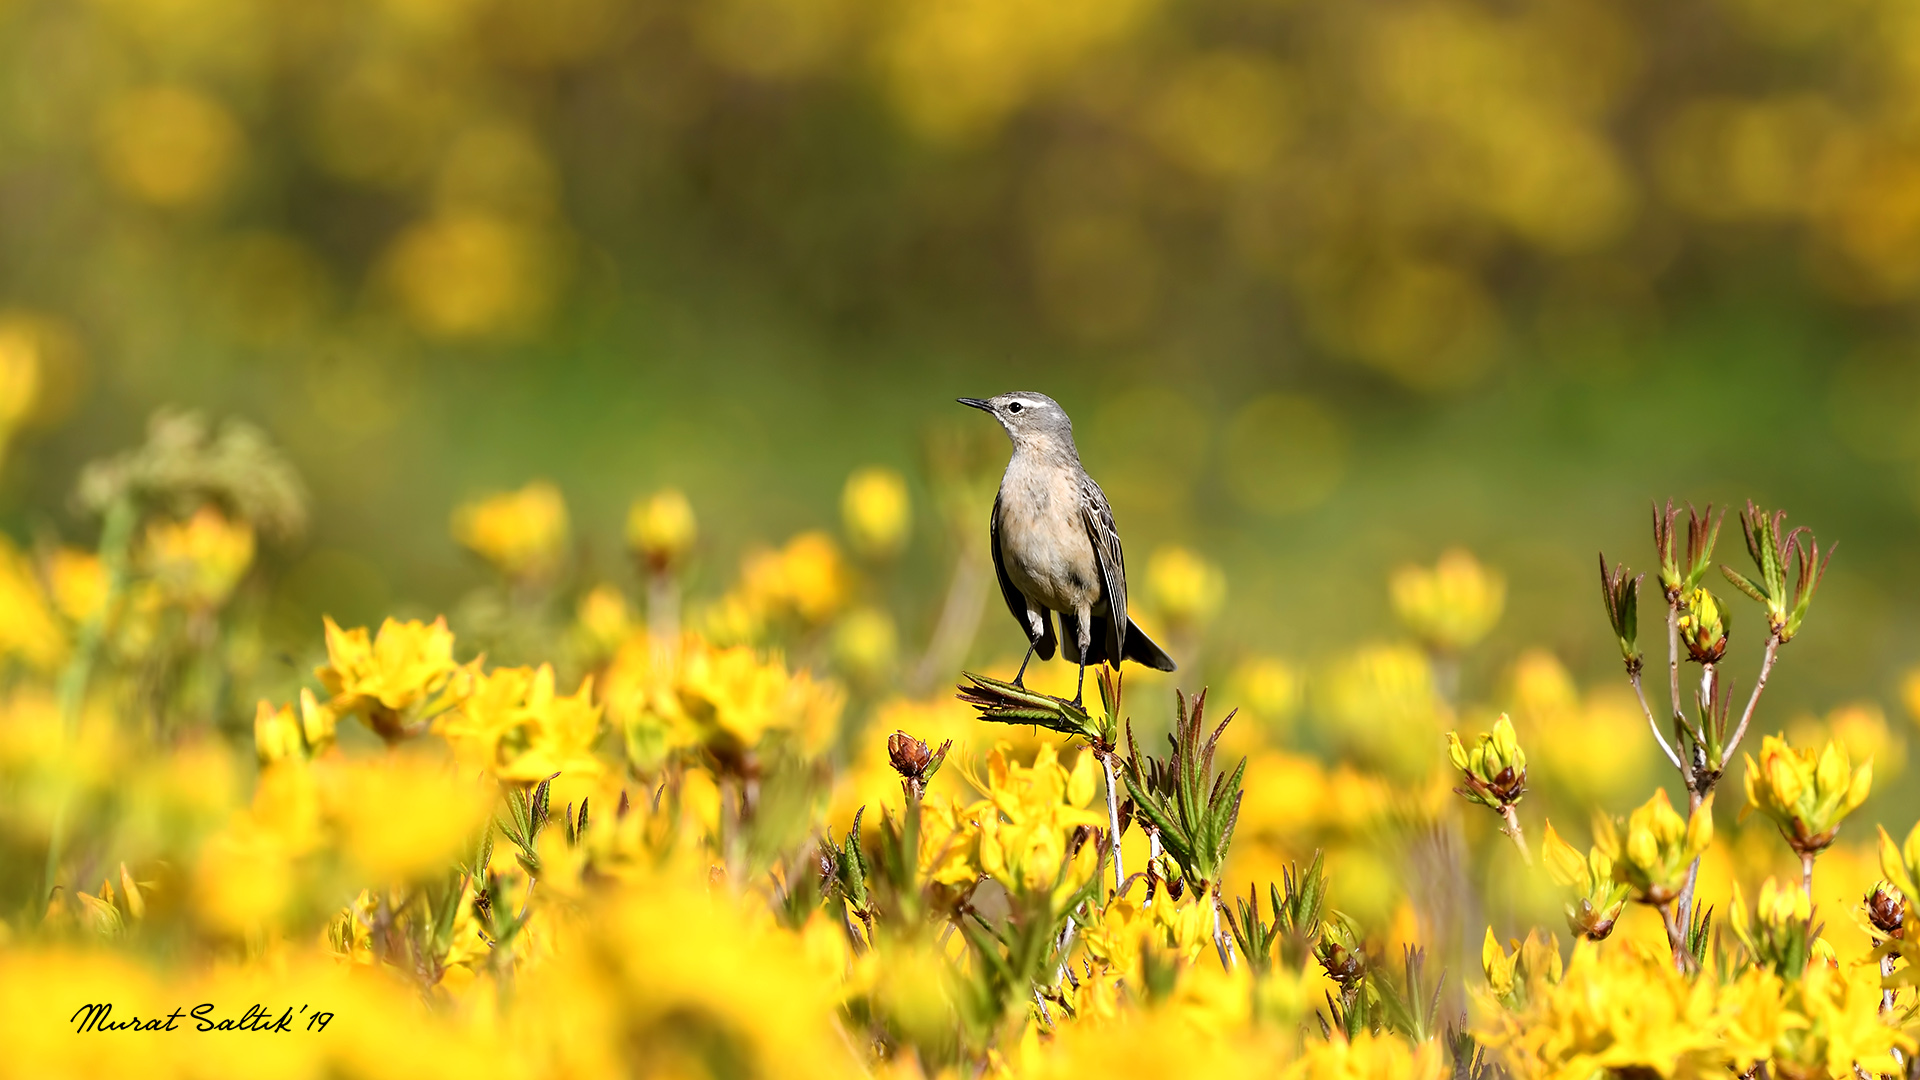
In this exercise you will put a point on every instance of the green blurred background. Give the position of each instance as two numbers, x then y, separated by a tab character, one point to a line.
1326	286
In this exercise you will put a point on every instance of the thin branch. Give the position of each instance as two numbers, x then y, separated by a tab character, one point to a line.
1676	938
1673	661
1113	822
1665	746
1766	668
1806	873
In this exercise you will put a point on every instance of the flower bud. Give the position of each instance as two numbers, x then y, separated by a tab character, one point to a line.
1495	768
661	529
1806	795
1703	627
522	533
1887	909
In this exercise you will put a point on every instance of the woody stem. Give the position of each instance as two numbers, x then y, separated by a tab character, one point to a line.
1676	937
1633	676
1806	873
1512	829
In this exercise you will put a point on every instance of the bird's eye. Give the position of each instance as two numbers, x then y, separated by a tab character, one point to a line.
1015	407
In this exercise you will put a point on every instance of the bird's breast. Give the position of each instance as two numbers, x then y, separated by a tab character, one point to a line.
1043	537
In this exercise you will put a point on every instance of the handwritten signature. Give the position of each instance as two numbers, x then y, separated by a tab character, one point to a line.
99	1017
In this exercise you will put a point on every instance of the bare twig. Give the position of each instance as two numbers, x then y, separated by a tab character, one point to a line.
1676	937
1806	873
1665	747
1760	685
1113	821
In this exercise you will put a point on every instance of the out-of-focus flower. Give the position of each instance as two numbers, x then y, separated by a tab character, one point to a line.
807	578
661	528
1186	589
1386	708
279	735
1574	740
604	618
1804	793
1495	768
515	725
1779	933
28	627
77	581
401	818
1861	728
729	699
522	533
465	276
876	512
1901	862
865	644
394	673
1598	898
169	145
197	562
1703	627
1658	846
20	374
1269	691
1532	966
1451	605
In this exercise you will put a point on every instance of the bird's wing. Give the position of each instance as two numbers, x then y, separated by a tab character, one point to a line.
1016	600
1113	565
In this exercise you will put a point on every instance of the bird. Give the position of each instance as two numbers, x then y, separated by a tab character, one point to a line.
1055	546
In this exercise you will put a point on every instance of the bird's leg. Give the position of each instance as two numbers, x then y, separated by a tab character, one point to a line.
1084	634
1031	645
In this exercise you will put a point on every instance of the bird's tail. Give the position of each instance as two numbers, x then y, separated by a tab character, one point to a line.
1138	647
1141	650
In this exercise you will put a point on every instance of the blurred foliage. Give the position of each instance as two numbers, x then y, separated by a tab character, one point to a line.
1328	286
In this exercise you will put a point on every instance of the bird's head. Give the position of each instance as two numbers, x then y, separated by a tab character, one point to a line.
1030	419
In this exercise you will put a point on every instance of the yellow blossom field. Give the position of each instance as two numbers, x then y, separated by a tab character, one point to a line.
495	580
724	833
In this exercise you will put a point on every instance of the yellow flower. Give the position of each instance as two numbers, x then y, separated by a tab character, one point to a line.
522	533
77	581
1842	1030
515	725
197	562
1703	627
1368	1057
865	644
400	818
1026	845
28	629
661	528
732	699
279	736
876	512
1659	846
1186	589
806	578
603	618
1386	708
1452	605
1901	864
1598	898
1613	1009
1806	795
1862	728
1575	739
398	671
1779	933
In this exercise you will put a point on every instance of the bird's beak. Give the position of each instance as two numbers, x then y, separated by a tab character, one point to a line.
983	406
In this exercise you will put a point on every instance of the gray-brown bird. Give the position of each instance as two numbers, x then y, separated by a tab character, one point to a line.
1055	547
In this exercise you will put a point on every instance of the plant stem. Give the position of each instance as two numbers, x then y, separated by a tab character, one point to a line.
1654	725
1676	938
663	618
1759	685
116	539
1673	667
1113	822
1806	873
1221	943
1512	829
